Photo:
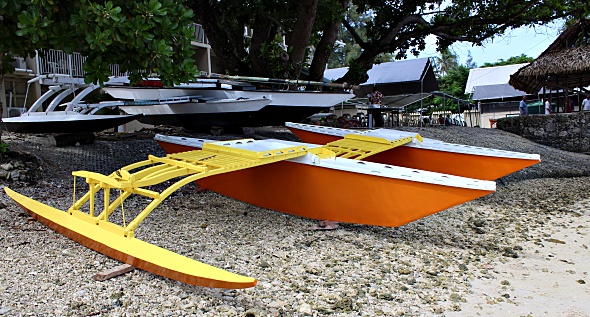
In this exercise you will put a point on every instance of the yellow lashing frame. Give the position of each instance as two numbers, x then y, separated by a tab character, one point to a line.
192	165
215	158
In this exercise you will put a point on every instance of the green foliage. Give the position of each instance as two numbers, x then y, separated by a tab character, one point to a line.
273	52
447	61
452	78
376	31
510	61
4	148
144	37
345	48
452	83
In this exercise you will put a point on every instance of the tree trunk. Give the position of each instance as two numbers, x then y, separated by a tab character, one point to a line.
357	72
226	42
325	48
323	52
306	13
1	83
262	35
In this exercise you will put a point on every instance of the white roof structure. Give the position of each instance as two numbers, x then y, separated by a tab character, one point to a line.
394	78
388	72
492	82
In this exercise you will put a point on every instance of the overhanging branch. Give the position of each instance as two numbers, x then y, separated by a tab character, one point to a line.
357	38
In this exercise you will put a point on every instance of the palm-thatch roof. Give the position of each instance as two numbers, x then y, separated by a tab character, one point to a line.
564	64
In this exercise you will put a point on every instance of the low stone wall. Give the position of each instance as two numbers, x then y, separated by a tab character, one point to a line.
566	131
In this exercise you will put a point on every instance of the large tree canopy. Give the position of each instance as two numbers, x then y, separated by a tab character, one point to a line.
302	24
143	37
392	27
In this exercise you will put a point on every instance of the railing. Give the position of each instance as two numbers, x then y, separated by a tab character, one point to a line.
58	62
199	33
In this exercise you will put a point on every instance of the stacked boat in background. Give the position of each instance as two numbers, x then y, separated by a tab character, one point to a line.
198	105
214	102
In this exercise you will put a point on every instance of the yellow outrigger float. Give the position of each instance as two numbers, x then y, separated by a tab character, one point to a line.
94	229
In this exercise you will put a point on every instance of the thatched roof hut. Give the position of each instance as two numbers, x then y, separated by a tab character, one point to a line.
563	65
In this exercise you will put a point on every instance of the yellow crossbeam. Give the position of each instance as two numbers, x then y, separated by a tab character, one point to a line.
358	147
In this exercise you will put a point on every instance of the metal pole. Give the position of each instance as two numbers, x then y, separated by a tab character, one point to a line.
421	100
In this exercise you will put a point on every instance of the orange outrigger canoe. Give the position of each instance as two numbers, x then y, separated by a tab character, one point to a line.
330	182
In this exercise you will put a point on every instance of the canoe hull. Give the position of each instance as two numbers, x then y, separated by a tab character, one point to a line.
437	157
327	194
284	105
267	116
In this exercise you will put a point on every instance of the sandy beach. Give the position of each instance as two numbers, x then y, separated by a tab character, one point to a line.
522	251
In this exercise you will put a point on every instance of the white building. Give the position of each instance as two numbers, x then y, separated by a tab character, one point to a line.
489	88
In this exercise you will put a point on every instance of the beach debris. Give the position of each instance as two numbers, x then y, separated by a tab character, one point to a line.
556	241
113	272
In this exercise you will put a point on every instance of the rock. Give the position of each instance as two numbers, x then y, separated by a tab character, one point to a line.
454	297
276	283
6	166
15	175
556	241
277	304
344	304
5	310
80	293
431	272
509	252
479	230
404	271
479	222
305	309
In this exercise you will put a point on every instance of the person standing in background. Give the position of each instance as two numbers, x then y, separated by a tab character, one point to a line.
376	101
548	106
586	103
523	107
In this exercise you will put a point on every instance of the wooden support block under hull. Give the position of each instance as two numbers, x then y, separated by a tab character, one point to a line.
114	272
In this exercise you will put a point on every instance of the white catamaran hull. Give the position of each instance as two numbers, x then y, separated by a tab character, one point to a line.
64	122
195	114
284	105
